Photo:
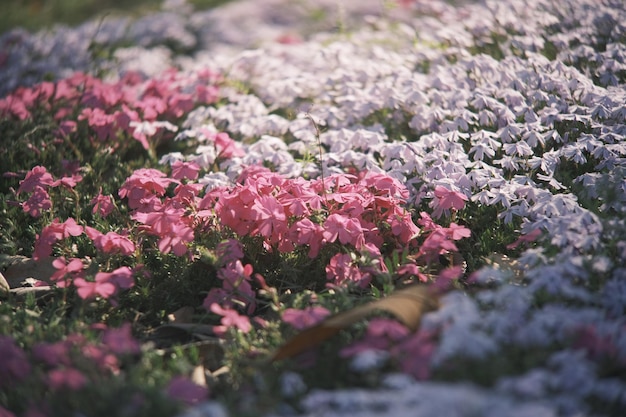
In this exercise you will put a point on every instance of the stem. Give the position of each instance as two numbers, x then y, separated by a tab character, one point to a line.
319	144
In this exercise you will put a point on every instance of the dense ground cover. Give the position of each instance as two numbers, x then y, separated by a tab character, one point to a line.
38	14
190	195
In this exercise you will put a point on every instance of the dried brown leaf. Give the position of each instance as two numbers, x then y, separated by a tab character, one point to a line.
4	285
20	268
198	376
408	305
182	332
182	315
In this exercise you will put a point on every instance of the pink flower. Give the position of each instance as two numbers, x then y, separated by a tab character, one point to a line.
176	240
308	233
69	182
206	94
53	354
66	127
185	194
527	238
89	290
103	124
102	205
411	270
234	212
38	202
185	170
38	176
121	277
415	354
229	251
236	287
235	273
302	319
341	269
298	198
270	217
70	228
456	232
183	389
5	413
66	378
15	105
446	279
403	227
101	357
14	365
121	341
106	284
169	224
345	229
52	234
114	243
383	182
427	222
92	233
230	318
381	334
151	107
218	296
446	199
289	39
72	268
142	184
437	243
225	146
161	222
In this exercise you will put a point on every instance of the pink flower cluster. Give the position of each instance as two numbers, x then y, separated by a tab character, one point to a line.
37	182
439	240
411	350
109	108
64	361
446	200
76	363
165	217
303	319
362	212
105	284
109	243
236	292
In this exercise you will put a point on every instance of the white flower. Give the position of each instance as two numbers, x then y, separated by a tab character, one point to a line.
292	384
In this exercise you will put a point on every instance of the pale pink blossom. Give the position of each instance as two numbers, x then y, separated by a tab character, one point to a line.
230	319
38	176
302	319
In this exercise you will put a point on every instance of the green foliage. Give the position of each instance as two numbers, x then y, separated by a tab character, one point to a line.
38	14
489	234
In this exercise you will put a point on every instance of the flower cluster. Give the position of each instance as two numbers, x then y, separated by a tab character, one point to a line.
138	107
76	364
37	182
377	153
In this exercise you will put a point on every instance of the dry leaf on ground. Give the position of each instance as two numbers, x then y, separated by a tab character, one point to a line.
408	305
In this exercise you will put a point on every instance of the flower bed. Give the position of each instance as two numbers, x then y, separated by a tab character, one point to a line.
191	197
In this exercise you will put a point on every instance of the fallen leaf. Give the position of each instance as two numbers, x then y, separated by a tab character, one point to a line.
182	315
408	305
175	333
20	268
198	376
4	285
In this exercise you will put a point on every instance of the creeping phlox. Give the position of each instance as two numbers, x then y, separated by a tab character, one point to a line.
364	214
372	154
